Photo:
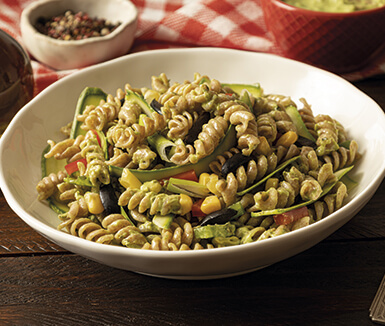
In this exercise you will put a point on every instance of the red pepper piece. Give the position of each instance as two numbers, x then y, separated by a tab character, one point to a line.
73	166
97	137
196	208
188	175
291	216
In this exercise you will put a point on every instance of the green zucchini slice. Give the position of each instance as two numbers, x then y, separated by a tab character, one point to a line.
89	96
228	141
48	166
294	115
279	168
254	90
339	174
139	100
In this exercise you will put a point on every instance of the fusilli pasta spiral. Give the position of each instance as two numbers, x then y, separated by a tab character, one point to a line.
97	117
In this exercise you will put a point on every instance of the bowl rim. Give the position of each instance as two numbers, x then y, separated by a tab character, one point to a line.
35	6
89	245
338	15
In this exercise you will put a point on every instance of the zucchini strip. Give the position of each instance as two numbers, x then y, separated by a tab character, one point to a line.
89	96
302	130
139	100
163	146
228	141
339	174
254	90
48	166
279	168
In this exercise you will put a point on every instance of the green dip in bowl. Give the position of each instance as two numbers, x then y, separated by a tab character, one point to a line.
339	6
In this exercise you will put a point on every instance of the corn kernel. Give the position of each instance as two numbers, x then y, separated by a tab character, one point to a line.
203	178
211	204
94	203
210	181
186	203
287	139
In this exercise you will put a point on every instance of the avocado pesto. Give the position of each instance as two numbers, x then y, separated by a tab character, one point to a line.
197	165
337	6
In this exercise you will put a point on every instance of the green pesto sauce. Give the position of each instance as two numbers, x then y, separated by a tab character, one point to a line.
339	6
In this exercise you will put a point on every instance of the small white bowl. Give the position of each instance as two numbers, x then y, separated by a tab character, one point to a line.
72	54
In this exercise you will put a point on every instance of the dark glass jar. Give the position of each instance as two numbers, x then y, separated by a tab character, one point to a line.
16	79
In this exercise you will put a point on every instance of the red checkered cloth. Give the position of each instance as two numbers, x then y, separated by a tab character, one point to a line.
237	24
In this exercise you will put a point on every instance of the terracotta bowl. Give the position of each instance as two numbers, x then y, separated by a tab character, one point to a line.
71	54
339	42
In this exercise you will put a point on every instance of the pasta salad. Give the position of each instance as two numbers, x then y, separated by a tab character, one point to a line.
194	165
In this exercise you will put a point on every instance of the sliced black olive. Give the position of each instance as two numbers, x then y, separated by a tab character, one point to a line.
219	217
156	106
302	141
197	128
109	199
234	162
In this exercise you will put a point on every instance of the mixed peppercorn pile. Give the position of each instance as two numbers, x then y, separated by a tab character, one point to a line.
74	26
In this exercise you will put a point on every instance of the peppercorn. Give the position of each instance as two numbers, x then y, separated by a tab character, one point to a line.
74	26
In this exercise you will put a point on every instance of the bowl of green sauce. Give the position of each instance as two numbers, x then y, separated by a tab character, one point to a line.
336	6
341	36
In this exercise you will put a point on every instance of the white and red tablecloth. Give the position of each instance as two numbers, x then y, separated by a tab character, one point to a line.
237	24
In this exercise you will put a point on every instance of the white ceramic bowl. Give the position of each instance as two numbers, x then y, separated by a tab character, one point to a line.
40	119
72	54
